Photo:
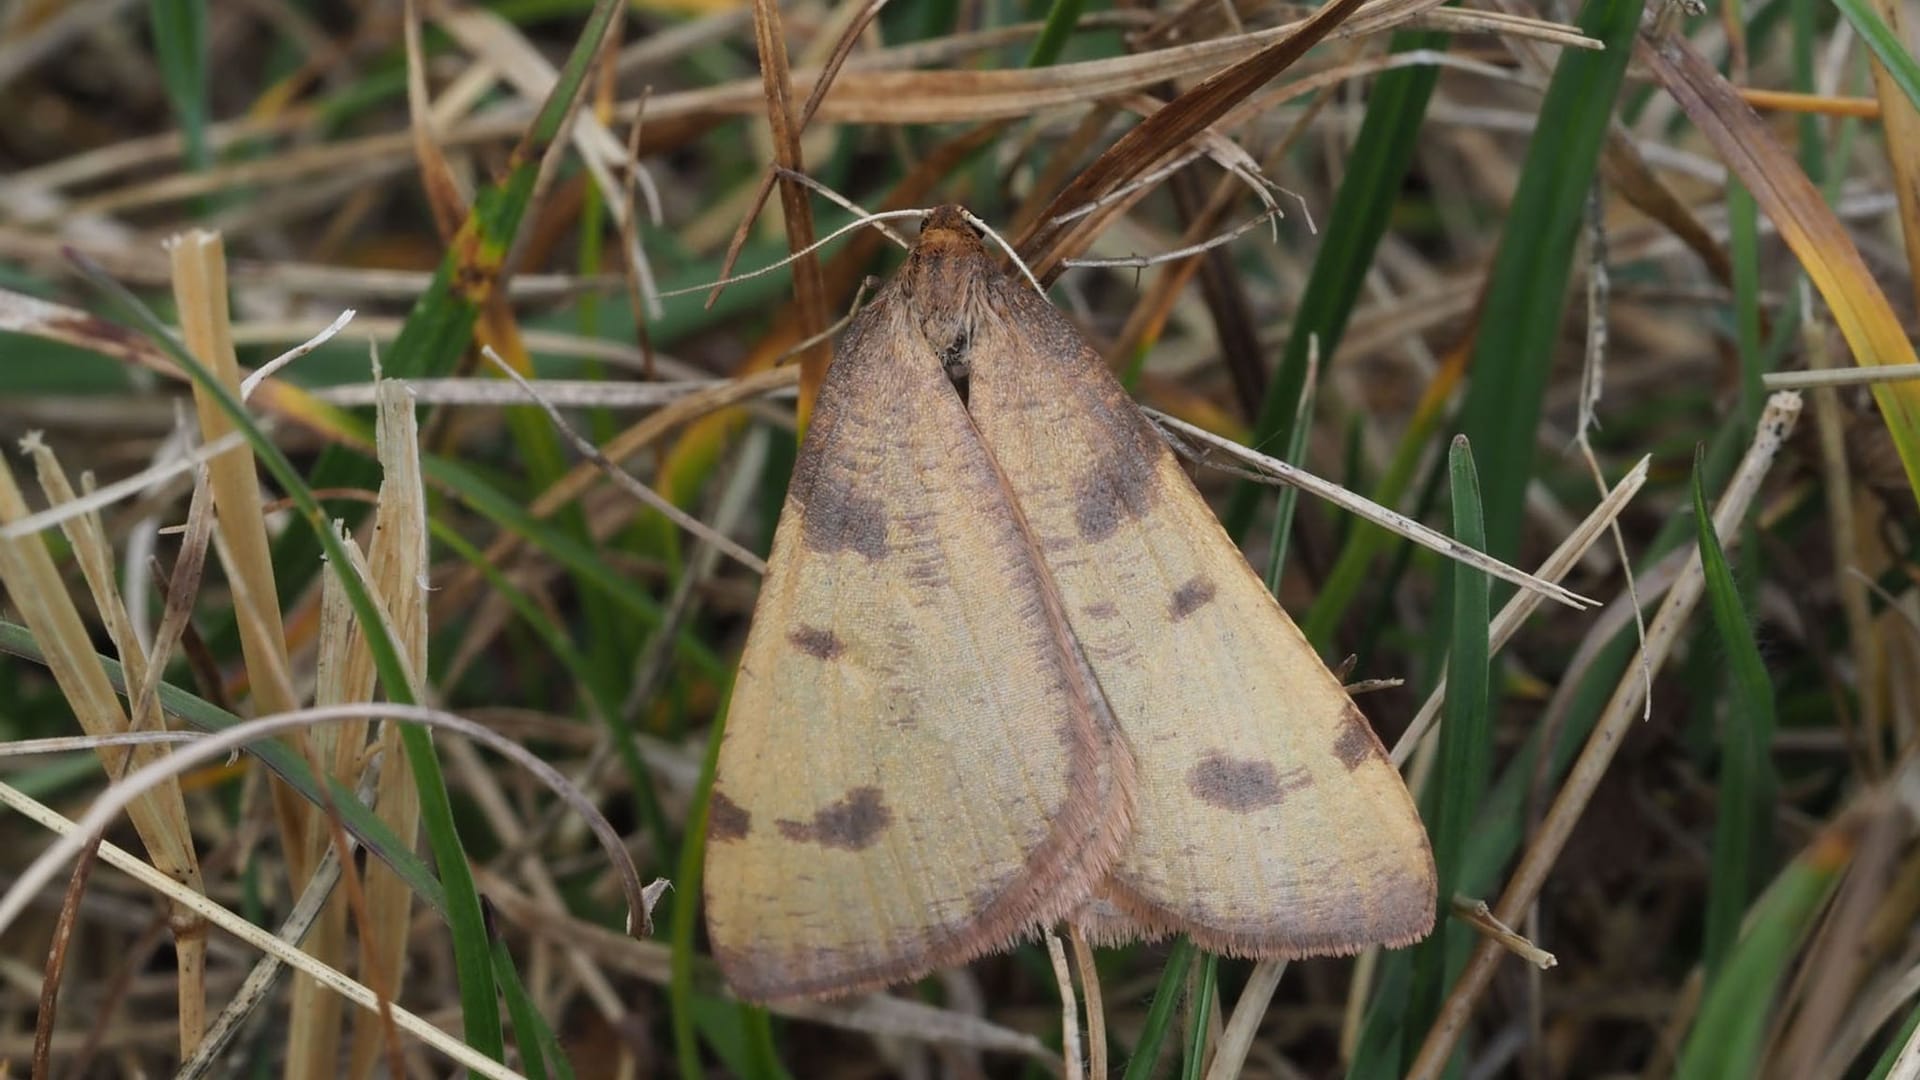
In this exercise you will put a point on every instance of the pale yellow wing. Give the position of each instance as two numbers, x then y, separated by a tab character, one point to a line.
1267	819
917	767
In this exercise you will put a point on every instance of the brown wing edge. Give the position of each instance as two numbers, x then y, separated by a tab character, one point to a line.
1085	837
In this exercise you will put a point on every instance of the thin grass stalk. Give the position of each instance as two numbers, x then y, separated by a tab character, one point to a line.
35	588
199	266
1741	825
94	554
397	560
315	1014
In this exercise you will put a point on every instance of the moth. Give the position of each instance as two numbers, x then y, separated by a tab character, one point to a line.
1007	669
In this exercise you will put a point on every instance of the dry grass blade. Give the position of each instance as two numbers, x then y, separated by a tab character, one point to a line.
397	578
809	288
1185	117
1259	466
160	817
94	553
1621	711
200	292
333	978
444	197
842	49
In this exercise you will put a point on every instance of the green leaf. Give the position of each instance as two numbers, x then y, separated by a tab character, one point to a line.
1166	997
1460	778
1731	1028
1746	769
1886	45
1519	326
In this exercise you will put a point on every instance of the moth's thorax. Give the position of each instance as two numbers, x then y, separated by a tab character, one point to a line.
944	284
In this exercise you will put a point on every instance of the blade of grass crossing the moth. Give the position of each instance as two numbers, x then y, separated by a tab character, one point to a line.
180	43
1460	780
1519	327
1886	45
473	963
1746	773
1289	496
530	1032
1731	1028
1200	1018
1061	18
1375	170
1160	1014
440	326
763	1056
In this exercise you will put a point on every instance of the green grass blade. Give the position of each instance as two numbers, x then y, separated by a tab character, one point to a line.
1375	170
1730	1030
1166	999
472	947
1886	45
1746	773
1519	326
1195	1063
180	45
1289	497
530	1031
1061	18
1460	780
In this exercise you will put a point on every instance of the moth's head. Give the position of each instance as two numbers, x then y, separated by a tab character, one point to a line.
945	272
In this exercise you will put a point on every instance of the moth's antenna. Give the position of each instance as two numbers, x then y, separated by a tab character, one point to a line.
841	201
858	223
974	221
1141	261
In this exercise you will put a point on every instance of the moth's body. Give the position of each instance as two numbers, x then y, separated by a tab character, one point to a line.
1014	623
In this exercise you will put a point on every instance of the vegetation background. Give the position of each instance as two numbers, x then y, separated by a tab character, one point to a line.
1593	238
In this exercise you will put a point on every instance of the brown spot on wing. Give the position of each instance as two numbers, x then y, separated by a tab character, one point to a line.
726	819
838	518
1105	609
1195	594
1241	785
851	823
1357	742
816	642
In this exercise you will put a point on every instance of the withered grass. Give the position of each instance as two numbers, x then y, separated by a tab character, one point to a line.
1466	271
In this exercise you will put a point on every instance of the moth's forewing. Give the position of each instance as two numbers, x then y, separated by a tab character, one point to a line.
1267	820
917	766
